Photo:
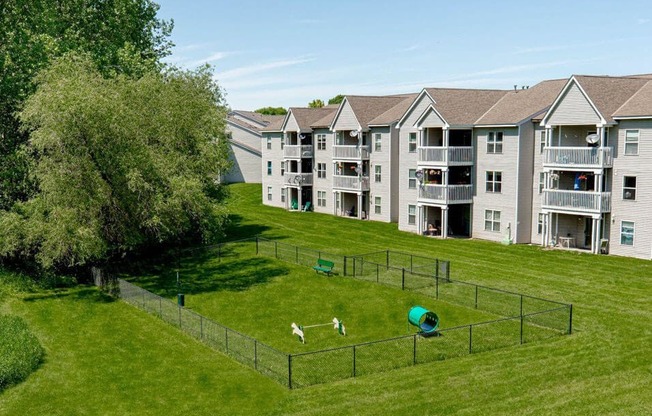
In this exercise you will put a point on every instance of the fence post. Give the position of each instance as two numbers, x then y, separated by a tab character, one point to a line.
470	339
354	361
256	245
521	329
436	287
290	371
414	360
411	261
521	305
448	271
476	296
387	260
437	268
403	279
344	265
570	320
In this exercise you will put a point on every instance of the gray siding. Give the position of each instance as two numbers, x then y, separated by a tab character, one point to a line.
381	189
275	180
525	179
637	211
431	119
537	156
323	184
346	119
291	124
573	108
246	163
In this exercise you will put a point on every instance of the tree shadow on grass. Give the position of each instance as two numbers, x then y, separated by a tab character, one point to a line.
79	293
236	230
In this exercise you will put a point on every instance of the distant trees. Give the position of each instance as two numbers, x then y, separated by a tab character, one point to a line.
316	103
336	100
272	111
119	163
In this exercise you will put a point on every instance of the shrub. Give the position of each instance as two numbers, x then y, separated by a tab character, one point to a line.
20	351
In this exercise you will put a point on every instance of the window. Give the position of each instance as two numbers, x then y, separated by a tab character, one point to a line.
412	143
282	168
631	142
269	142
378	175
269	193
492	220
378	142
412	179
282	142
542	181
412	214
321	142
627	233
494	181
495	142
377	208
283	191
337	200
542	140
321	170
269	167
629	187
321	198
540	224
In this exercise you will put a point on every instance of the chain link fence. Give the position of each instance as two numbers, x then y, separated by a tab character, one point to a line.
526	318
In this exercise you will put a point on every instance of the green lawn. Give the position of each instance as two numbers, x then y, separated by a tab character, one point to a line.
105	357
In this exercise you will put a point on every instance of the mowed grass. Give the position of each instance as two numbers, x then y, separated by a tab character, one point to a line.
261	296
106	357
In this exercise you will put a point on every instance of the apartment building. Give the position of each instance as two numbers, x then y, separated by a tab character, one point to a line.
243	130
564	163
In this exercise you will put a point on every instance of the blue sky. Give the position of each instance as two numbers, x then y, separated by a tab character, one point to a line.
287	53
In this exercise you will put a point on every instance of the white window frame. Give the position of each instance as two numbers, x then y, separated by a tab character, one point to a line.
377	205
321	199
282	168
632	142
321	142
269	142
282	142
269	168
338	200
626	236
412	214
495	183
540	224
378	173
629	192
492	220
283	193
269	193
321	170
495	142
412	179
378	142
542	181
542	140
412	142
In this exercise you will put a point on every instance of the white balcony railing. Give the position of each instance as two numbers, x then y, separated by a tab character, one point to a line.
297	151
577	201
445	194
446	155
350	152
297	179
351	183
591	157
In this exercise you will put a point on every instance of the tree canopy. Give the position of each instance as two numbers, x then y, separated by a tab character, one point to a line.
118	163
316	103
336	100
272	111
121	36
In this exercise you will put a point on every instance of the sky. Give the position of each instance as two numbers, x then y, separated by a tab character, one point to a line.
287	53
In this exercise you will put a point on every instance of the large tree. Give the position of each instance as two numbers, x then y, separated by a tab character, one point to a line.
121	36
119	163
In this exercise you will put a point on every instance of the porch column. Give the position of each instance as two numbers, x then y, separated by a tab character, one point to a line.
445	131
300	206
444	222
420	220
359	206
420	143
544	231
334	202
598	234
548	136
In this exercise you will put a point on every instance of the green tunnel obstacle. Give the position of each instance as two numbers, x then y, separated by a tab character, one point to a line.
426	321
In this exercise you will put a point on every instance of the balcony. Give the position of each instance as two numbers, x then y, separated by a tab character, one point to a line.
351	183
446	156
297	179
446	194
297	151
578	157
582	202
350	152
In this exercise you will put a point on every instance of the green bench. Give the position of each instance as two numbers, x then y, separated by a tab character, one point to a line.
325	266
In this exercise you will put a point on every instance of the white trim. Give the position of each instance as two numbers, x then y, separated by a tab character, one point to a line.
425	113
563	91
339	111
414	103
632	117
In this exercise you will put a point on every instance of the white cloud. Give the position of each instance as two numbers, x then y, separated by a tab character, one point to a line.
642	21
216	56
258	68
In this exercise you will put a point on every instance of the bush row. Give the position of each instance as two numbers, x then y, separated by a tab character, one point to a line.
20	351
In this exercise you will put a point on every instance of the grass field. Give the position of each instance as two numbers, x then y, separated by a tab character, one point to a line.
106	357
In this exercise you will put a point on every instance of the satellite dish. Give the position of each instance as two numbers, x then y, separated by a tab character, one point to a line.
353	133
419	175
301	137
592	138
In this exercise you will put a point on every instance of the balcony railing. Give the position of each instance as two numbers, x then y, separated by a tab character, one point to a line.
350	152
297	179
445	194
446	155
590	157
351	183
576	201
297	151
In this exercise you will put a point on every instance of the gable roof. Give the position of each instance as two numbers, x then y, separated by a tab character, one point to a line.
306	117
462	107
638	105
393	114
251	117
608	94
517	106
374	108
